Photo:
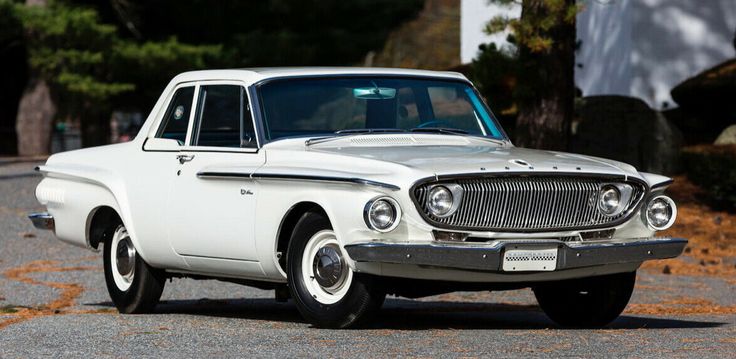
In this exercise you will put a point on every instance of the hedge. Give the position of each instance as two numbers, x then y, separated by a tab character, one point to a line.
713	167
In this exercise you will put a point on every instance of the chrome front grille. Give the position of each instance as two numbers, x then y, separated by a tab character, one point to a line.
527	204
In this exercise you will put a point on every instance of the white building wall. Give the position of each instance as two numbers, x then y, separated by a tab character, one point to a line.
638	48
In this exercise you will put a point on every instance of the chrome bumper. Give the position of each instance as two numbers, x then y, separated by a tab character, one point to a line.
42	221
488	257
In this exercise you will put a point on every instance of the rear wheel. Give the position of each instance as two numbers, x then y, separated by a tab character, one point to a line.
586	302
134	286
325	289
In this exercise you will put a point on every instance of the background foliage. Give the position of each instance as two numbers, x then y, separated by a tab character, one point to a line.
96	53
713	167
542	65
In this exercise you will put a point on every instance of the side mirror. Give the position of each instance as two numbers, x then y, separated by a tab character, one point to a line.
162	144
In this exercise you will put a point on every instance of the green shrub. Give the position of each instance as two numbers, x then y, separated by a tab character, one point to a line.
714	169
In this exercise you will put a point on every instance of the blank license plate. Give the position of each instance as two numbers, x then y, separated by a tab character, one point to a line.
516	260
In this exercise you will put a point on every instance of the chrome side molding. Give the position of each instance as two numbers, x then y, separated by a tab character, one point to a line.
293	177
42	220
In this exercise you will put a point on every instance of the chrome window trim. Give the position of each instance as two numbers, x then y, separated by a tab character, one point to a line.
196	101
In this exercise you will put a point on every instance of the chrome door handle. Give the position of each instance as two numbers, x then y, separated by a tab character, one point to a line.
184	158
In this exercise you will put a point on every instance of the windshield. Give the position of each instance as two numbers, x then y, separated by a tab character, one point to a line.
310	107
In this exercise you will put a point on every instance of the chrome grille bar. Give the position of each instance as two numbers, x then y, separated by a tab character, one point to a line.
527	203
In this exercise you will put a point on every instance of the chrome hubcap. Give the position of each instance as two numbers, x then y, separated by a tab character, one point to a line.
329	267
122	259
325	270
125	257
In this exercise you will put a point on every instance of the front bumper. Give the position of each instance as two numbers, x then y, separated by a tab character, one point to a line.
489	257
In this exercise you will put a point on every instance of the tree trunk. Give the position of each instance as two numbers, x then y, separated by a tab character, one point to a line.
36	113
546	102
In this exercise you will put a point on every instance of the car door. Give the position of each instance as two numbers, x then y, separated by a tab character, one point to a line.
149	173
211	219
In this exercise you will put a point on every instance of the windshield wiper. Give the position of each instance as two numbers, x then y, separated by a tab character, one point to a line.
360	131
368	130
447	130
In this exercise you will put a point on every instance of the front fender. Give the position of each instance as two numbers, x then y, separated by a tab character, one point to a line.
342	202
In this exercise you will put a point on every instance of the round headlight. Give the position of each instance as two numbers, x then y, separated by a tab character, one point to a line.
661	212
609	199
381	214
440	201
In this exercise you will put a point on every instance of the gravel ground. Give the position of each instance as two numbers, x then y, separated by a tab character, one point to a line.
61	308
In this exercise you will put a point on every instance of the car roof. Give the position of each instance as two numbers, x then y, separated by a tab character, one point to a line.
253	75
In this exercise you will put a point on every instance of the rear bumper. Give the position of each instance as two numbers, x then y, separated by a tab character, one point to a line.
489	257
42	221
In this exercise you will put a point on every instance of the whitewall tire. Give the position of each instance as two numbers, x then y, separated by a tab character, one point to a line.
133	285
325	290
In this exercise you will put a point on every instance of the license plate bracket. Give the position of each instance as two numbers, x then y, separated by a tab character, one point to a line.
527	259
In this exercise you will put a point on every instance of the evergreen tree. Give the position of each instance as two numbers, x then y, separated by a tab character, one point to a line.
80	64
545	38
86	55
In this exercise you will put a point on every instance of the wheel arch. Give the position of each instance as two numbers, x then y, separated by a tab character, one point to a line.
98	221
286	228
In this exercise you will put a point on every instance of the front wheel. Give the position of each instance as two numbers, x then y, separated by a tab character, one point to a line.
587	302
326	291
134	286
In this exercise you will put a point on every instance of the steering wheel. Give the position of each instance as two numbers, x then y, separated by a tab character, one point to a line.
434	123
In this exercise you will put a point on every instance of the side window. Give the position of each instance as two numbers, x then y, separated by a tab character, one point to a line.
223	118
176	119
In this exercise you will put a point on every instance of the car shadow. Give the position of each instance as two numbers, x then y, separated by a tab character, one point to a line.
406	314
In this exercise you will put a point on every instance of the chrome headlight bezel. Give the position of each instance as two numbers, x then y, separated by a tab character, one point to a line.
455	192
648	206
368	214
624	192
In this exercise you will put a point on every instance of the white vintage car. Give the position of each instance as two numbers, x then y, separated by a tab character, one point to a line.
338	186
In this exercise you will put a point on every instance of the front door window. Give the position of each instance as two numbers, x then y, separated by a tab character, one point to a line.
223	118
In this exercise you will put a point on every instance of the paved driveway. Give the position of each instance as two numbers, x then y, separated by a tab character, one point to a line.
53	302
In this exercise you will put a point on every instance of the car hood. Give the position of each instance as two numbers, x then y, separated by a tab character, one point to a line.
474	156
